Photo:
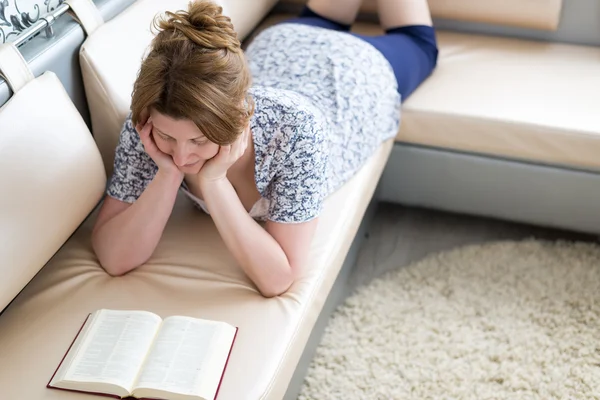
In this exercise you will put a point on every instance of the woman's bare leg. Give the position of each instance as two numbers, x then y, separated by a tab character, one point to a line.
397	13
340	11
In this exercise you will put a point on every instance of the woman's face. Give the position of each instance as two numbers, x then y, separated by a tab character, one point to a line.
183	141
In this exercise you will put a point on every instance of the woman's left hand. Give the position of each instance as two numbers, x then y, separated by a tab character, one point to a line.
216	168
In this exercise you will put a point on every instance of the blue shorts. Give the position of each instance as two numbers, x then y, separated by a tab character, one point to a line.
411	50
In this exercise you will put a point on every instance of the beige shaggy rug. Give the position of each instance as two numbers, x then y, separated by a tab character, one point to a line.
506	320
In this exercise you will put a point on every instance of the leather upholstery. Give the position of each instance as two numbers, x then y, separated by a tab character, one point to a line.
191	273
541	14
110	60
51	175
13	68
86	13
510	98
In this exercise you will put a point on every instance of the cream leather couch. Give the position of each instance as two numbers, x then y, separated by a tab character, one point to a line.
191	272
485	114
508	125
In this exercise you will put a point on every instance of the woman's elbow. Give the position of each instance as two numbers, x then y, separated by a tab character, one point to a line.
112	264
278	286
114	270
111	267
274	291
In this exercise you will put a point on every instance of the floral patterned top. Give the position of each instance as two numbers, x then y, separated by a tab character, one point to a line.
325	101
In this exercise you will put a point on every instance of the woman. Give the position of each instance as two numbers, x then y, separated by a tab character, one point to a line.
264	135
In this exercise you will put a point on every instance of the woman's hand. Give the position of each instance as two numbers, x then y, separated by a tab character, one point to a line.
216	168
163	161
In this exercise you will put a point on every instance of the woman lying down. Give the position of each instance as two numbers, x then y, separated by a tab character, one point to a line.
258	136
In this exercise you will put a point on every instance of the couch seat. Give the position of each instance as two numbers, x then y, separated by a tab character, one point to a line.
193	274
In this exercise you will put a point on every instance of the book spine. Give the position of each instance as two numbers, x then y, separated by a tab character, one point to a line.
226	362
69	349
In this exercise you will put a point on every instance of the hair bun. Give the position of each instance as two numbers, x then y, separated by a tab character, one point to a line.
204	24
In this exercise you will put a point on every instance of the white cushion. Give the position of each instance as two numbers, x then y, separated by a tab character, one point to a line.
51	175
538	14
510	98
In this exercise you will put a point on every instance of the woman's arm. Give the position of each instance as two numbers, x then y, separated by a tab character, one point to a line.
125	236
271	258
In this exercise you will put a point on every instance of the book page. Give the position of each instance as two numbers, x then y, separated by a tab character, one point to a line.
178	358
209	382
115	348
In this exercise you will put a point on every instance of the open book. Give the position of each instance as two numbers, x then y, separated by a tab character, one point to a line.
137	354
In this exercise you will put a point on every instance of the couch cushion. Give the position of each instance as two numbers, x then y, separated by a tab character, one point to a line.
539	14
51	175
110	58
191	273
510	98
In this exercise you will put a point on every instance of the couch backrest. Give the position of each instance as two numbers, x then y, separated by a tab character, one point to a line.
51	172
538	14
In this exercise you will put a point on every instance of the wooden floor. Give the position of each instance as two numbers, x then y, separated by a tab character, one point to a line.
401	235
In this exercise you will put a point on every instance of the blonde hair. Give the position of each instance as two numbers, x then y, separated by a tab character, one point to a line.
196	70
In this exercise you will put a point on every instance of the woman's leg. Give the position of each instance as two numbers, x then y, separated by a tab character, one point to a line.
329	14
397	13
409	44
341	11
411	51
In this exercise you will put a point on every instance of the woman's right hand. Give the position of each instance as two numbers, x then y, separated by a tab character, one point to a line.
163	161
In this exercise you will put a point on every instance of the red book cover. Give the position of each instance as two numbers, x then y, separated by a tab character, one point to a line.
226	362
126	398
